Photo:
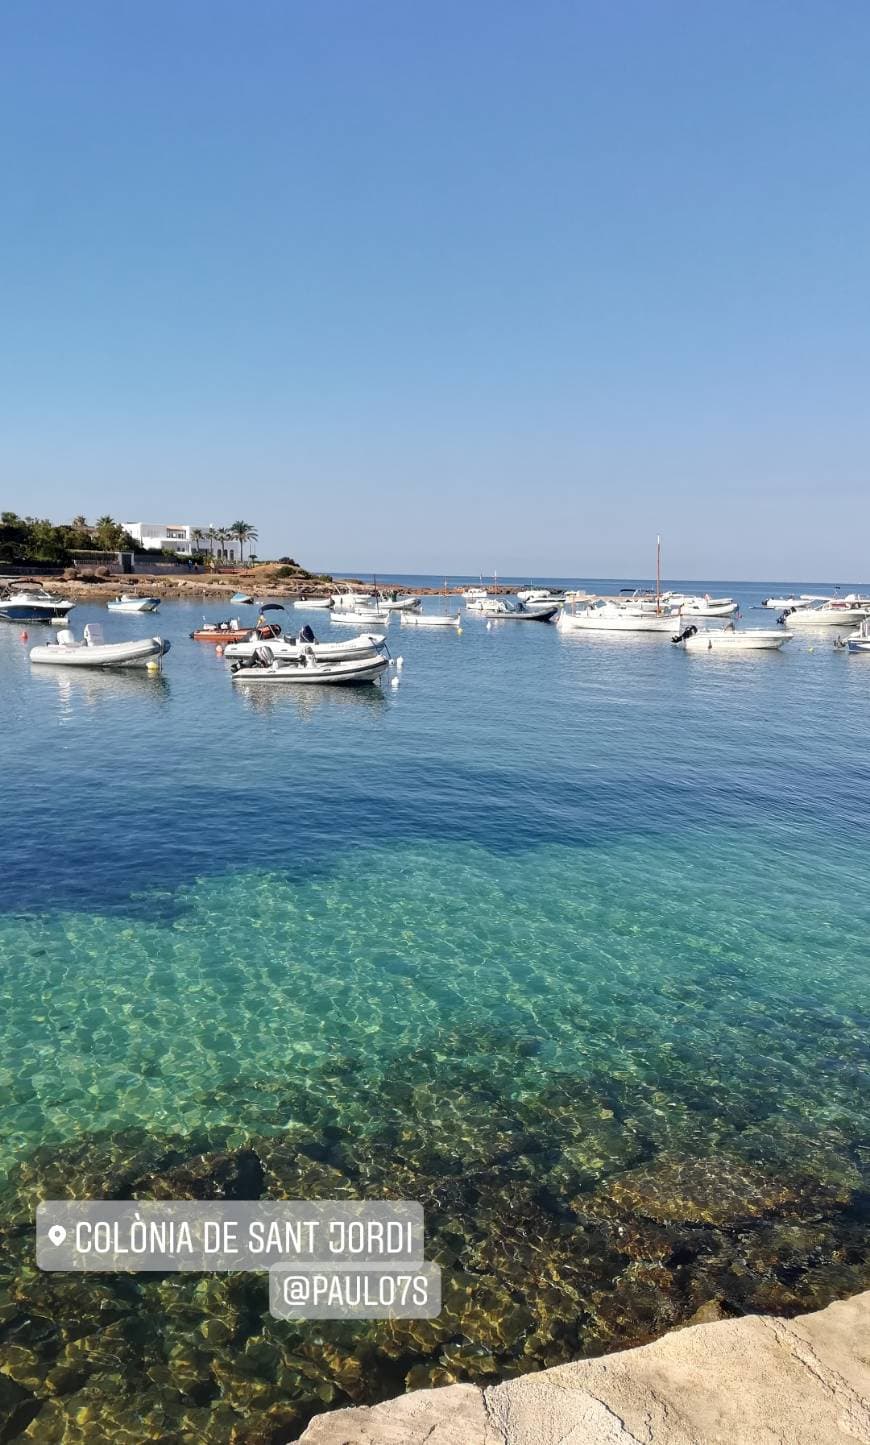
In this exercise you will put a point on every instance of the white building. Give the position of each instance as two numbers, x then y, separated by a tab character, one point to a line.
182	538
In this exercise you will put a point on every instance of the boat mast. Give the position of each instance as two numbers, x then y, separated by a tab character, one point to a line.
658	573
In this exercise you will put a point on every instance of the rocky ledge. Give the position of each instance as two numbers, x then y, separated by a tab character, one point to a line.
751	1381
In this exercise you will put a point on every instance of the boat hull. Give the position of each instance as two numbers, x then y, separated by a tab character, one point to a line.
599	621
30	612
528	614
288	674
359	618
355	647
104	654
761	640
827	617
314	604
430	619
217	635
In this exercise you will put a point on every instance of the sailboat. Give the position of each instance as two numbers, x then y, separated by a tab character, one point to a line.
624	616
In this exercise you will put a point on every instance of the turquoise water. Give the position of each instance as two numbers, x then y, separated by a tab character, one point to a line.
564	936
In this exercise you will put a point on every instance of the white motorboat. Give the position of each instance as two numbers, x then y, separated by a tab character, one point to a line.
508	609
474	594
399	604
33	604
611	617
359	616
430	619
266	669
694	606
365	645
778	603
95	652
131	603
859	640
732	639
831	614
312	604
541	596
344	601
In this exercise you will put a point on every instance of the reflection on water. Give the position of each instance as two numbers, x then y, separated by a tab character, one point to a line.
95	685
307	700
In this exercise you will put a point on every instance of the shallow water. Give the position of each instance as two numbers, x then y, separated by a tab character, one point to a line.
564	936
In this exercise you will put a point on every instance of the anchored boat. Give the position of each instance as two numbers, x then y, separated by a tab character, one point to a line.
128	603
731	639
430	619
840	613
366	645
32	605
265	669
508	609
93	651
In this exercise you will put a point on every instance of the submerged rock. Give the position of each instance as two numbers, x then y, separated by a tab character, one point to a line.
716	1190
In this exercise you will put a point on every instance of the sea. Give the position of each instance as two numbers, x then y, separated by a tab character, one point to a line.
563	936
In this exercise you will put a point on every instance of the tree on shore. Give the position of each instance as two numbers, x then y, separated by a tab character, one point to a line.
243	532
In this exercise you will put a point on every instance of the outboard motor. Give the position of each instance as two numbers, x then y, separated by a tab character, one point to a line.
688	632
307	634
783	615
263	656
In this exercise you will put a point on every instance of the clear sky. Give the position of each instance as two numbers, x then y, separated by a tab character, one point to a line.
445	286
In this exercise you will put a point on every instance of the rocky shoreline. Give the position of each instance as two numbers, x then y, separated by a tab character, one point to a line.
753	1380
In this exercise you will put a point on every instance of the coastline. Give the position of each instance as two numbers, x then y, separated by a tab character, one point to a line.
804	1381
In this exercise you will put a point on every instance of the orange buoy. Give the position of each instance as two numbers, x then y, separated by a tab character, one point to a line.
24	637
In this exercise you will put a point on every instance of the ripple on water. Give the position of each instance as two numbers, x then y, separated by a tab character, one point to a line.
618	1096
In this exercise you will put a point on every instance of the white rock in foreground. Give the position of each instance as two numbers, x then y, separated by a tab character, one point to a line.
753	1381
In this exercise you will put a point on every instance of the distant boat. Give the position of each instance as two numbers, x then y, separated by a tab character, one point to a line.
508	610
541	596
431	619
95	652
358	615
349	599
836	613
612	617
732	639
791	602
128	603
242	599
314	603
399	604
33	605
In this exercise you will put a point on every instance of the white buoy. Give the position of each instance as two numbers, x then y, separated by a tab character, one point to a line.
400	663
394	682
489	627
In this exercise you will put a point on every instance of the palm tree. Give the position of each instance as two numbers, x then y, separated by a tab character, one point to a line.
211	537
80	523
107	530
197	536
243	532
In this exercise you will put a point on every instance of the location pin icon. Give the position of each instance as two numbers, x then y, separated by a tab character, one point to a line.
57	1234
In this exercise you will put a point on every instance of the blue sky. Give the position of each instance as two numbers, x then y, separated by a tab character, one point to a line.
444	287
